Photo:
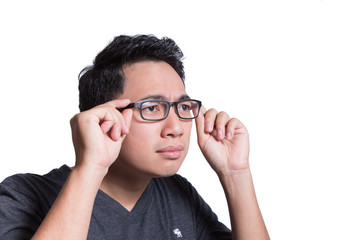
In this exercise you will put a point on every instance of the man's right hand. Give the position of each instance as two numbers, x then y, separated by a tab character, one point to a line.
99	132
97	136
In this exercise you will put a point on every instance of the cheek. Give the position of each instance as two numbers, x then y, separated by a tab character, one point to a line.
139	137
133	150
187	129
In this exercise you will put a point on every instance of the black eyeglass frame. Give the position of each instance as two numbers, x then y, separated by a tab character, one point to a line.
170	104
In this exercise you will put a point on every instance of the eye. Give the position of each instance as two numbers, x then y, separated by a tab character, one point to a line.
185	107
151	108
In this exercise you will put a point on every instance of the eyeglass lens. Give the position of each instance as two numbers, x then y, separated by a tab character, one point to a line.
153	110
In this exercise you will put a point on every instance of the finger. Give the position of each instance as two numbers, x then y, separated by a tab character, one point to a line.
122	124
110	124
101	112
111	119
115	133
222	119
106	125
232	124
210	117
119	103
199	121
123	128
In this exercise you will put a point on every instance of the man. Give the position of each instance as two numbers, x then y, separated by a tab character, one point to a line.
130	139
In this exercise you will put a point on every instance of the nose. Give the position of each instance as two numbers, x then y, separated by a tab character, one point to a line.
172	125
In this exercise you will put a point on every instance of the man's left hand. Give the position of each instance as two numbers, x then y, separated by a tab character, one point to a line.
224	141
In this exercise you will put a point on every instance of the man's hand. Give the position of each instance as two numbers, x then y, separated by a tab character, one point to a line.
99	132
97	136
224	141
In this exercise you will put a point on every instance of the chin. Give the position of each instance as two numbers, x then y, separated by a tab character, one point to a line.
168	174
168	170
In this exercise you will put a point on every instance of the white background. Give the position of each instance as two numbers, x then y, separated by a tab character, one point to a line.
289	69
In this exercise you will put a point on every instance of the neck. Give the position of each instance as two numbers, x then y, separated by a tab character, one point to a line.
123	186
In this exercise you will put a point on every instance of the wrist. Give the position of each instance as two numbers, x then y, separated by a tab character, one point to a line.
235	180
234	173
90	171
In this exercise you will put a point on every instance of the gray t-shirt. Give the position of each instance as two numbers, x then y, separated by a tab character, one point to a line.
169	208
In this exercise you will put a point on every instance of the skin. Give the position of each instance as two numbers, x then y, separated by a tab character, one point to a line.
134	168
107	145
153	79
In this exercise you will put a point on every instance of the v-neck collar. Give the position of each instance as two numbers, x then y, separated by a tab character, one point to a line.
103	201
139	208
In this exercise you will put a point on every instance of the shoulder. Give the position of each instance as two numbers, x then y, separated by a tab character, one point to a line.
25	200
29	184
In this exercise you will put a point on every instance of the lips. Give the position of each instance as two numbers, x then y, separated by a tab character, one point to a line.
171	152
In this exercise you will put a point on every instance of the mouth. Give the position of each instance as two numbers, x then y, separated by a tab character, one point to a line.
171	152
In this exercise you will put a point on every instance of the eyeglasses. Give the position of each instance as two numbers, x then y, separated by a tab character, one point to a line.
156	110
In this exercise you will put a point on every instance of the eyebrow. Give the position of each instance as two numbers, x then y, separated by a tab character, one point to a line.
161	97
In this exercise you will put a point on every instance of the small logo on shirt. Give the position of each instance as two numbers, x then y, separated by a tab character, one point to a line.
177	232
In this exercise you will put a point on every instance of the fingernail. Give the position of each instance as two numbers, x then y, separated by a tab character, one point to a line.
118	135
220	134
229	135
209	127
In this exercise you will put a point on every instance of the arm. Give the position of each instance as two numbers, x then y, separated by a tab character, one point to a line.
97	137
225	145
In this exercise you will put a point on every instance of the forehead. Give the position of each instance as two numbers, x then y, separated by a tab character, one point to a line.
151	78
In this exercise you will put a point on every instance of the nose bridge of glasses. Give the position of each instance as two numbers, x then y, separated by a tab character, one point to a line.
172	105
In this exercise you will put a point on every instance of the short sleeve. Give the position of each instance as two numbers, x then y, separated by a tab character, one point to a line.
208	225
25	200
17	219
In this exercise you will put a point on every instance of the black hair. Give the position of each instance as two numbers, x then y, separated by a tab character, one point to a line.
104	80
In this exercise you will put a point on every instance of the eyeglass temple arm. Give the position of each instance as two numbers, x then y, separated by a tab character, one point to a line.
131	105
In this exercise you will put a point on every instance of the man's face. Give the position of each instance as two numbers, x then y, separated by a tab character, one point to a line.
154	149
